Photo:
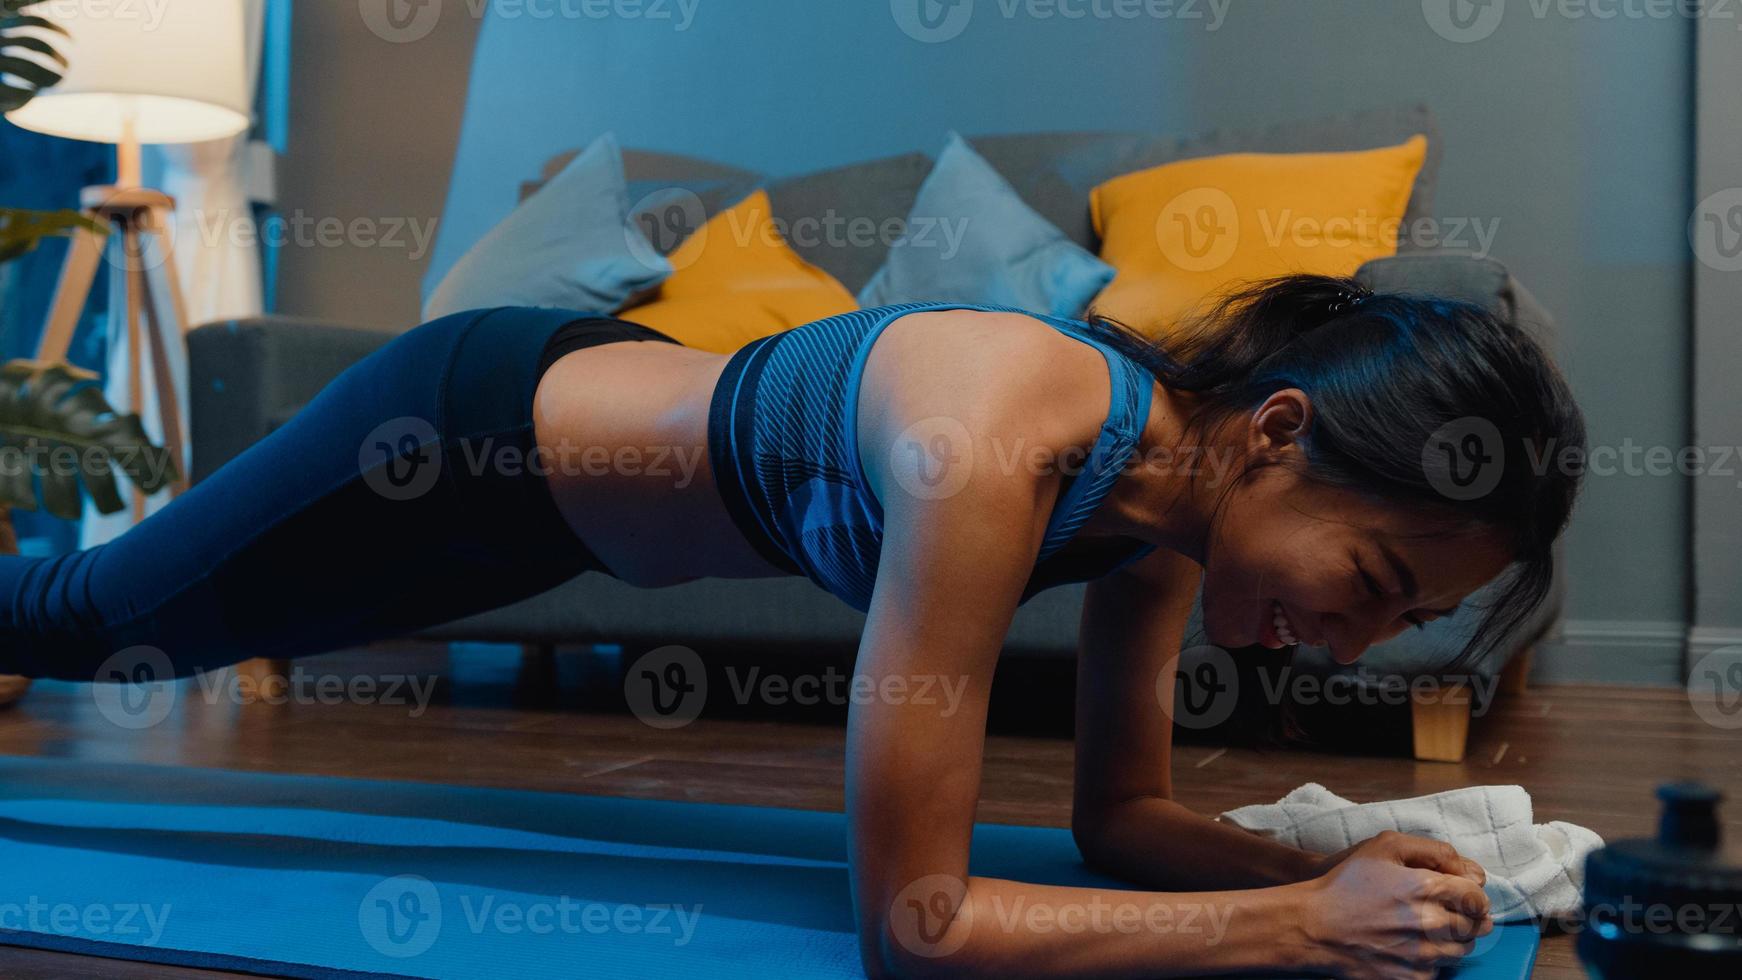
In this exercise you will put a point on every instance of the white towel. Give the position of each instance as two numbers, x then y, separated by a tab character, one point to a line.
1534	870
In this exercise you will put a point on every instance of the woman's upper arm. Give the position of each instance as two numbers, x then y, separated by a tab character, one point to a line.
1133	623
950	575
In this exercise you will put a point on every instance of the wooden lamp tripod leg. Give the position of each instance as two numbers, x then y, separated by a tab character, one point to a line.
166	319
136	299
84	253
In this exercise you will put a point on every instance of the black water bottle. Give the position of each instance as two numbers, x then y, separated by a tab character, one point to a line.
1669	907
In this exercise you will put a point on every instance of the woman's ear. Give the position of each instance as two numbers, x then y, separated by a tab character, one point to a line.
1279	424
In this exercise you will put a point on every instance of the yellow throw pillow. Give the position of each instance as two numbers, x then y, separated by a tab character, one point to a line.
1185	232
737	280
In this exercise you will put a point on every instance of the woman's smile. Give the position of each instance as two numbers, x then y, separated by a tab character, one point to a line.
1281	628
1277	628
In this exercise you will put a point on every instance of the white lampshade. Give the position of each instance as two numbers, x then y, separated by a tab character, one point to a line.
175	68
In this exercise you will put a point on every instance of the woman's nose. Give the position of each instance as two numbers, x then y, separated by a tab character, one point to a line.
1347	653
1348	637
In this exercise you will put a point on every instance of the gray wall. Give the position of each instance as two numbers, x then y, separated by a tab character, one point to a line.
1572	133
1717	537
1575	134
788	86
373	128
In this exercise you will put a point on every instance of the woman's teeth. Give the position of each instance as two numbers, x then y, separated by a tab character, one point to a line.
1284	629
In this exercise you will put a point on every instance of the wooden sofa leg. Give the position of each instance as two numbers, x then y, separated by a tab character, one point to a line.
1515	678
12	688
1441	721
268	678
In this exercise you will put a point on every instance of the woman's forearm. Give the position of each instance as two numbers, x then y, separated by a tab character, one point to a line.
1157	843
1016	929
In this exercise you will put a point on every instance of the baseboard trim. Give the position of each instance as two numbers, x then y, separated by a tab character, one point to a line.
1704	641
1614	651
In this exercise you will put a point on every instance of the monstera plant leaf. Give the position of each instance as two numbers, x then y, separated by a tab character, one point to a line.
58	433
21	230
28	62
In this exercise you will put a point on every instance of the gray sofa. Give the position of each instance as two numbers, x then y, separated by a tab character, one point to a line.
249	376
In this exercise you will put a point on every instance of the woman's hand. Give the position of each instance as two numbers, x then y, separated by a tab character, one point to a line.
1395	906
1328	863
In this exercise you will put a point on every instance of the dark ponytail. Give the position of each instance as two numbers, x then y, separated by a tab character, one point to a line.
1400	386
1219	350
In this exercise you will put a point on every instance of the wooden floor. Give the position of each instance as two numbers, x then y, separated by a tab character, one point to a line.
1587	755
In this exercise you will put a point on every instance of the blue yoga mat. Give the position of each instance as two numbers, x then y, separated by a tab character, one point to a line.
315	877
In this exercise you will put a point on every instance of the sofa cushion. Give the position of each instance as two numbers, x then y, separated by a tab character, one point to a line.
650	169
737	281
1054	172
671	196
844	220
1464	278
1182	234
1469	278
246	376
794	612
971	239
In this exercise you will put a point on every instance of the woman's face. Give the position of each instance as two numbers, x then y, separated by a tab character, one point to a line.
1336	568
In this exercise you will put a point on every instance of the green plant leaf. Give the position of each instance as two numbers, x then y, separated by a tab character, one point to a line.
12	8
22	76
22	230
58	435
31	20
30	42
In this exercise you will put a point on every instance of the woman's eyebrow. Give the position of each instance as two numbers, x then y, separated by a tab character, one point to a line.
1406	578
1401	569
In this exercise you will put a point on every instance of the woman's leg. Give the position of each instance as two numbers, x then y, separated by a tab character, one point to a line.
403	496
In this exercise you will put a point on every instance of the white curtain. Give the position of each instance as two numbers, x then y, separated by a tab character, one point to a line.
217	258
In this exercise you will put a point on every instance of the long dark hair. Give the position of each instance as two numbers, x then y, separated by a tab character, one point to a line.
1417	400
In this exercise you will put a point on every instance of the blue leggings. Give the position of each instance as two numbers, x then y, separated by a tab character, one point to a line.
397	499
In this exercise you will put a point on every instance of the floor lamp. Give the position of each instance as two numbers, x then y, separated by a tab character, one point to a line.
177	77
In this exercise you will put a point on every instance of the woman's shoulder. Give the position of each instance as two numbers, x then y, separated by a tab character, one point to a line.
993	358
1020	390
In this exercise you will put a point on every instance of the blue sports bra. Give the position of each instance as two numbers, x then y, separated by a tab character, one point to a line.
783	441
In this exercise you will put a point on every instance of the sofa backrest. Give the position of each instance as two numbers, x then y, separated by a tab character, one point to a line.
1054	172
840	219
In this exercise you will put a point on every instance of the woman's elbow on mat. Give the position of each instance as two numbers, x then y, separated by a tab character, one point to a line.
925	942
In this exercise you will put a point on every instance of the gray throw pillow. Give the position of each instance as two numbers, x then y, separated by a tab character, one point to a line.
844	220
569	246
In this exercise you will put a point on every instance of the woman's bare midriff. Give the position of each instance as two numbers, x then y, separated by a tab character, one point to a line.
623	429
